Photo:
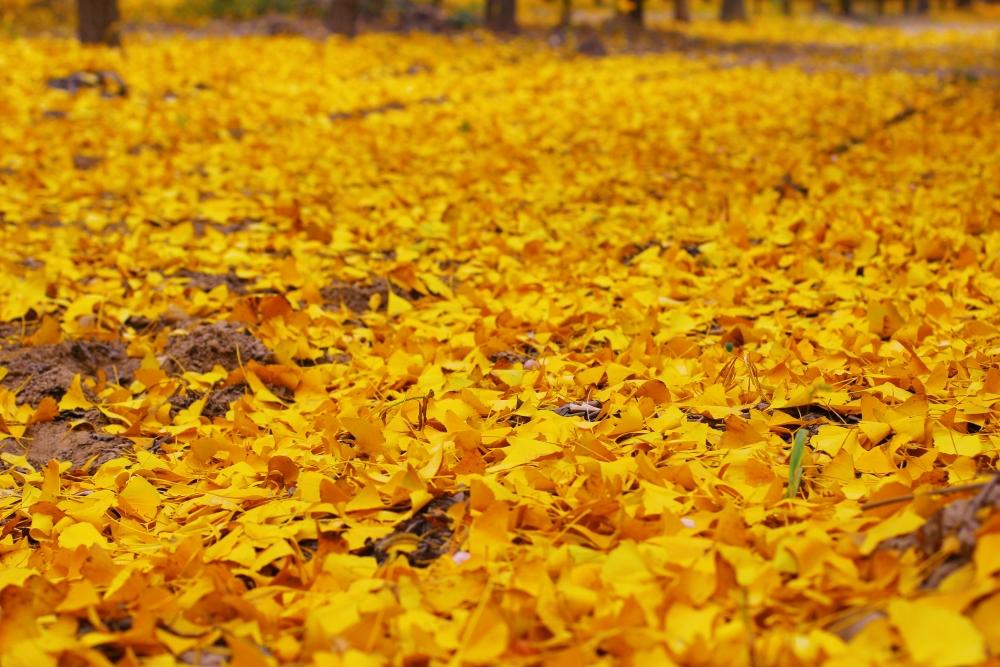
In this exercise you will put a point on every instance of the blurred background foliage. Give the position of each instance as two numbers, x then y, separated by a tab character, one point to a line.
26	17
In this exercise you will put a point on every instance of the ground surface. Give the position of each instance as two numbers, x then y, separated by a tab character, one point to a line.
419	349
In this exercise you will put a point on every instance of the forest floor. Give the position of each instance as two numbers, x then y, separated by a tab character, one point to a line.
428	349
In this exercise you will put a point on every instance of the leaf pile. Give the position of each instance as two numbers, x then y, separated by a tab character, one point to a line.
415	349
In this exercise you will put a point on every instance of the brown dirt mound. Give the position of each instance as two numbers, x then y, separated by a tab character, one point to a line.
70	437
223	343
48	370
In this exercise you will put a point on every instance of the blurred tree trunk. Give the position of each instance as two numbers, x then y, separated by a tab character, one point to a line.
923	6
375	9
342	17
565	13
963	4
847	7
682	11
501	15
786	7
97	22
907	8
634	16
733	10
880	7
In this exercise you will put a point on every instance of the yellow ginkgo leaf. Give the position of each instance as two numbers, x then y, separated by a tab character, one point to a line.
139	498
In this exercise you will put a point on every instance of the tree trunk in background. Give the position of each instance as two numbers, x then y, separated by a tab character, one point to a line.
565	13
342	17
733	10
923	6
847	7
633	18
682	11
97	22
786	7
375	9
963	4
880	7
501	15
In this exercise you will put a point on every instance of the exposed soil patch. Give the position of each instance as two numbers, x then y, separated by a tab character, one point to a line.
367	111
217	404
508	358
86	162
219	400
422	538
223	343
141	323
959	520
209	281
108	82
12	332
74	436
633	250
357	296
719	423
589	44
814	413
328	357
48	370
364	112
173	318
231	227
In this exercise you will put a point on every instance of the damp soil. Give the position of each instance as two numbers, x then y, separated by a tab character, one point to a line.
35	372
507	358
76	436
222	343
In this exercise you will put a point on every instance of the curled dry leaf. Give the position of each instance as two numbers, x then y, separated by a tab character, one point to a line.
951	534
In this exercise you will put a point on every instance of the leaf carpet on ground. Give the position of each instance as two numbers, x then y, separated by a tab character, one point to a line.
309	301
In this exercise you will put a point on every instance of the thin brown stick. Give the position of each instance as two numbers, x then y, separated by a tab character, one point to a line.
422	410
912	496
